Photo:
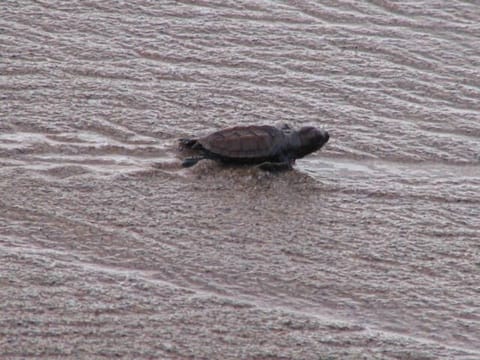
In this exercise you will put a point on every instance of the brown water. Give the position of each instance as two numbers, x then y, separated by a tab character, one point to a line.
368	249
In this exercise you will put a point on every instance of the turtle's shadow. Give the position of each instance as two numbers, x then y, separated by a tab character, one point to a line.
251	178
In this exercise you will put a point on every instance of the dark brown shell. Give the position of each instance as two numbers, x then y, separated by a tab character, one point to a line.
244	141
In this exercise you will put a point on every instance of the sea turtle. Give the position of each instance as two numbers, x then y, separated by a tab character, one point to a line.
269	147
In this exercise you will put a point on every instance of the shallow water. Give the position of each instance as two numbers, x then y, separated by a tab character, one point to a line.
369	248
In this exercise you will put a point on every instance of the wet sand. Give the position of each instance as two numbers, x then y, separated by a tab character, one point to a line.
369	249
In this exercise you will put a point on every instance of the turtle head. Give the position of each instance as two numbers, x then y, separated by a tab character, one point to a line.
310	139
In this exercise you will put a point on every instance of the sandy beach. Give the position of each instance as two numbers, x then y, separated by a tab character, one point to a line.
368	249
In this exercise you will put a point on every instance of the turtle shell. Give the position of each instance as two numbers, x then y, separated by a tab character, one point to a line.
245	142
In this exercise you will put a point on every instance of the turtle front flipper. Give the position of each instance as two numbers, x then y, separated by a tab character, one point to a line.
188	162
275	166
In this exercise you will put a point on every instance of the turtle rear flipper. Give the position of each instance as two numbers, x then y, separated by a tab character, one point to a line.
187	143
